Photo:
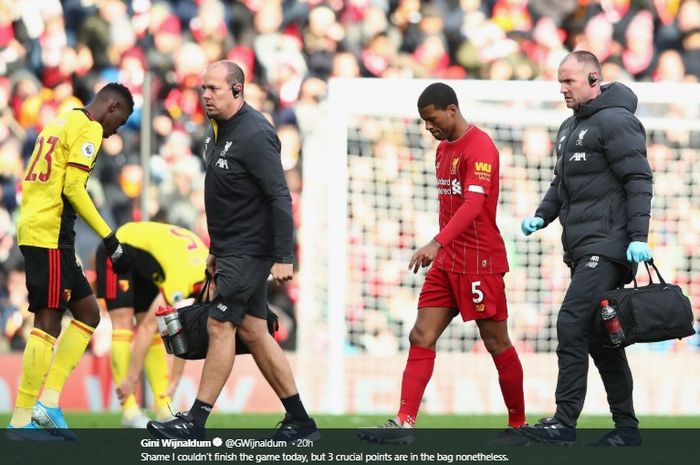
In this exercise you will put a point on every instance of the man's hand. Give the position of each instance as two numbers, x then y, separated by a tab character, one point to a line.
638	252
211	265
117	253
424	256
126	388
531	224
282	272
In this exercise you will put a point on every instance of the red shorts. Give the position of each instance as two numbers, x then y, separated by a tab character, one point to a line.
476	296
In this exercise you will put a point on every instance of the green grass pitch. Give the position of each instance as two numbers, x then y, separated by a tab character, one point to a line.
252	420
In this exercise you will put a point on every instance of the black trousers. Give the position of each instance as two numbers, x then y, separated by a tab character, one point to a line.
591	276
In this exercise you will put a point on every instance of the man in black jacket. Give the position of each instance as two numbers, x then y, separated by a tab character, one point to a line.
601	192
249	217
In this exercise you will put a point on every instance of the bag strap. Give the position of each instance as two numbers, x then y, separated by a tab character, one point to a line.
651	280
658	274
204	291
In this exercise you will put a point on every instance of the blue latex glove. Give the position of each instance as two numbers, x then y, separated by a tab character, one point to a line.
638	252
531	224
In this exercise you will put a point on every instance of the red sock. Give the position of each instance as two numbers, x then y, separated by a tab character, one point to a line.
419	369
510	378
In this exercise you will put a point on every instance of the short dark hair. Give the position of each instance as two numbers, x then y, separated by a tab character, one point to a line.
234	73
120	91
586	58
439	95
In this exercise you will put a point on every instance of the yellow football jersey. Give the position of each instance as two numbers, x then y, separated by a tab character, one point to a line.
180	253
46	217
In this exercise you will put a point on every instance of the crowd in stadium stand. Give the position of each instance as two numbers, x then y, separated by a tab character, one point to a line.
54	54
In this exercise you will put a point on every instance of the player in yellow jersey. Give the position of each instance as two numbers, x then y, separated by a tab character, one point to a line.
168	266
53	191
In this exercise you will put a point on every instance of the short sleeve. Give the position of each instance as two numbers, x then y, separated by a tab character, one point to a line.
83	151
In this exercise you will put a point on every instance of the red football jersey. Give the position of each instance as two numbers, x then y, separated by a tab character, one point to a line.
470	164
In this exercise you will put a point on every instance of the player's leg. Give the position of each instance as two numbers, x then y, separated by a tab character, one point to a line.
36	361
436	309
78	296
155	364
510	371
45	292
116	291
429	326
488	296
120	358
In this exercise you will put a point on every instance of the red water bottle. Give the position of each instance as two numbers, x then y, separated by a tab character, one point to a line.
612	322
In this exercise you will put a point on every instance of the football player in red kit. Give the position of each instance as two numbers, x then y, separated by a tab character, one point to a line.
468	258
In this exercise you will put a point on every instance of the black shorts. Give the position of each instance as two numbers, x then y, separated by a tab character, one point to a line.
130	289
54	278
241	280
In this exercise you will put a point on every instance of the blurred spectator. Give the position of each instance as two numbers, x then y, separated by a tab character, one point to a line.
689	27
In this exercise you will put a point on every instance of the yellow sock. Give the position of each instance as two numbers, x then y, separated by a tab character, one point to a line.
120	356
35	365
156	367
69	351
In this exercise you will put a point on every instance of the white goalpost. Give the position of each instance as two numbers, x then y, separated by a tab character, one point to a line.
369	201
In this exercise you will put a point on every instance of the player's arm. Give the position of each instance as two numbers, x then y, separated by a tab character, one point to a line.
83	152
76	193
475	176
470	209
463	217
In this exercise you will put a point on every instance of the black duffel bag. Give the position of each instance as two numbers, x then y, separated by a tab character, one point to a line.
194	323
655	312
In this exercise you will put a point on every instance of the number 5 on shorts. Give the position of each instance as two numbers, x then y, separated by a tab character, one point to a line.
477	295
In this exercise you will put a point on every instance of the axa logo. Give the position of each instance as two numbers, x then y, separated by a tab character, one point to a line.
456	187
482	166
578	156
222	163
581	134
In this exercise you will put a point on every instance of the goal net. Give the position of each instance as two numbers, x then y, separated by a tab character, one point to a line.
370	201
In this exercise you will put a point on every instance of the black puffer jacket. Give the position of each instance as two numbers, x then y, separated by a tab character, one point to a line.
602	184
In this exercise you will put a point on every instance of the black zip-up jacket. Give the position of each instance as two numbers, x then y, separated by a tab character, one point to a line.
602	184
247	201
